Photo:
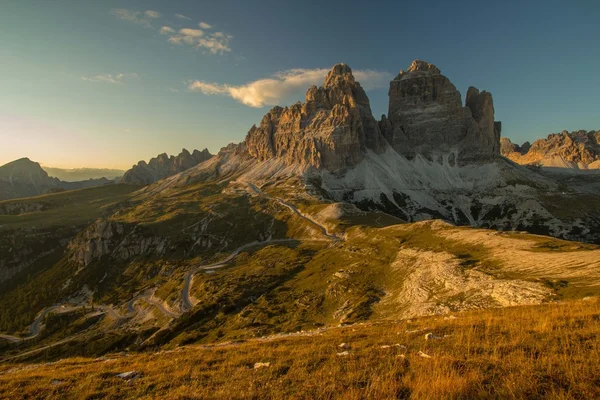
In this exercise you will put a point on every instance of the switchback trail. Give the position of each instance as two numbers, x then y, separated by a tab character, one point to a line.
293	208
186	300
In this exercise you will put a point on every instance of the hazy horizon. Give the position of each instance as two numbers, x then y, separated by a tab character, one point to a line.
106	84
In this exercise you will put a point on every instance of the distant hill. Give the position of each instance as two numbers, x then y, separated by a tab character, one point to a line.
82	174
163	166
26	178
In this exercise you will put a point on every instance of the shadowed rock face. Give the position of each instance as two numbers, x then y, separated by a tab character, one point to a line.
426	117
331	130
163	166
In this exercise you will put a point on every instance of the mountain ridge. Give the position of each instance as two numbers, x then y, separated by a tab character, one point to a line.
573	150
163	166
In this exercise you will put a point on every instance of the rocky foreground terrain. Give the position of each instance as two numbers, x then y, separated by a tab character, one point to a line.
322	216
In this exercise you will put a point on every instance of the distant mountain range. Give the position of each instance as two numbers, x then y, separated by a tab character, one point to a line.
25	178
574	150
82	174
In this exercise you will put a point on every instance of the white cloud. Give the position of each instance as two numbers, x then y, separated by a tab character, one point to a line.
110	78
137	17
191	32
214	42
285	85
166	30
152	14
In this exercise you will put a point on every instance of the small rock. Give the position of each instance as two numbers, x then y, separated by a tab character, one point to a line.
344	346
421	354
431	336
343	353
449	317
385	346
56	382
129	375
262	365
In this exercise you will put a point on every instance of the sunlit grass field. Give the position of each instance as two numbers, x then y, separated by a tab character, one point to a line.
547	351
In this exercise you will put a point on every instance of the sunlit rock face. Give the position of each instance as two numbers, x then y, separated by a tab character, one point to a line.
578	149
331	130
426	117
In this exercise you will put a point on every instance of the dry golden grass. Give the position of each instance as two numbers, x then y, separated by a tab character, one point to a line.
548	351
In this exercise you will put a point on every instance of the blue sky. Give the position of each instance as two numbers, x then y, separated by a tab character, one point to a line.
107	83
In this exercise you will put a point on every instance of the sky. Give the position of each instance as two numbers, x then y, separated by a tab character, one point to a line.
108	83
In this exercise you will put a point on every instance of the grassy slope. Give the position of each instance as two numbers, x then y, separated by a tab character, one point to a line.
547	351
45	233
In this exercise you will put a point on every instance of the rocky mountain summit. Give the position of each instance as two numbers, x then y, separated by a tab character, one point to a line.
163	166
334	128
331	130
25	178
431	157
426	117
577	150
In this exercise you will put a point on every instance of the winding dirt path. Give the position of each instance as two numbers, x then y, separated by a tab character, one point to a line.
293	208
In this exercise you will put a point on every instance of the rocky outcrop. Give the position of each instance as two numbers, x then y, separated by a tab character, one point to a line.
163	166
578	150
332	129
507	148
426	117
118	240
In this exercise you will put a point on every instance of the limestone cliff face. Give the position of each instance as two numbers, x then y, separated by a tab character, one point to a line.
334	128
163	166
115	239
426	117
578	149
331	130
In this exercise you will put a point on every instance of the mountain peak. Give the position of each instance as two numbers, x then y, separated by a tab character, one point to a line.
418	68
331	130
337	72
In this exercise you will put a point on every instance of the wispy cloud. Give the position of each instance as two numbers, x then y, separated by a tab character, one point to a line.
165	30
137	17
285	85
213	42
110	78
152	14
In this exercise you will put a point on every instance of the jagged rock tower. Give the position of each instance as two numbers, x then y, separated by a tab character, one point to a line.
331	130
334	128
426	117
